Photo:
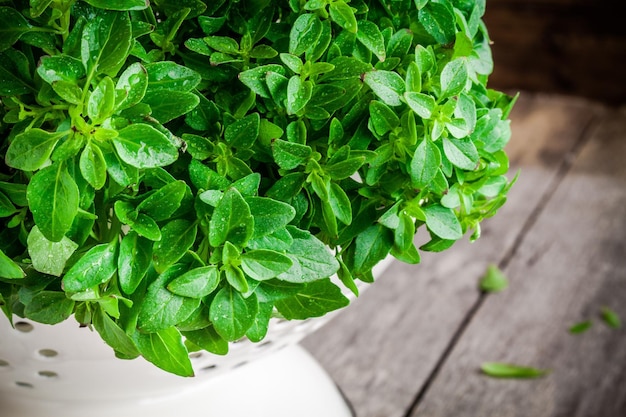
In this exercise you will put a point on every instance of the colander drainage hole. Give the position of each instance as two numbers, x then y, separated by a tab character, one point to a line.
24	384
48	374
24	327
48	353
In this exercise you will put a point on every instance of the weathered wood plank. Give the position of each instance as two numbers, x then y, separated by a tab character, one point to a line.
382	350
569	266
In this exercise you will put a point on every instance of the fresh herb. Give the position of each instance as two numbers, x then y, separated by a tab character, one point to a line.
175	174
494	280
506	370
581	327
610	318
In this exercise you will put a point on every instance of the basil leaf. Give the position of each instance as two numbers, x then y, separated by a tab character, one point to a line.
443	222
244	132
372	246
424	164
120	4
232	314
269	215
49	257
387	85
255	78
113	334
581	327
93	166
9	269
49	307
493	280
170	76
610	318
106	42
177	237
263	264
298	94
31	149
53	198
340	203
305	32
505	370
314	300
422	104
259	328
197	283
161	309
370	36
382	118
142	146
342	14
95	267
12	26
131	86
461	153
454	78
60	68
208	339
311	258
133	261
439	22
231	221
166	350
289	155
162	204
168	105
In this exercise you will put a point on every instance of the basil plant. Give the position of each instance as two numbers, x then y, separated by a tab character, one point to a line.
175	173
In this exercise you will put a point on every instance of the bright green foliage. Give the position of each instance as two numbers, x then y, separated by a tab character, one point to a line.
178	170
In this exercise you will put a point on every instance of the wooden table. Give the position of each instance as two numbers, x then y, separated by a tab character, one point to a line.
412	344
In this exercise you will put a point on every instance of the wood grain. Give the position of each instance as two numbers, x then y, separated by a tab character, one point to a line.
570	265
382	350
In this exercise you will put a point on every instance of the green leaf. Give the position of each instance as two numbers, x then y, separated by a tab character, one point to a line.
208	339
581	327
31	149
494	280
442	222
68	91
133	261
168	105
93	166
232	314
120	4
60	68
166	350
387	85
142	146
113	334
505	370
305	32
9	269
454	78
223	44
131	86
177	237
161	308
13	80
298	94
422	104
610	318
53	198
344	169
196	283
244	132
106	41
170	76
259	328
255	78
424	164
49	257
49	307
95	267
311	258
264	264
12	26
162	203
382	118
315	299
372	246
343	15
269	215
461	153
289	155
404	233
340	203
370	36
231	220
439	22
293	62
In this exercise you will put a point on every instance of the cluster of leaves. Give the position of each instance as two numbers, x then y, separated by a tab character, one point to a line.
175	173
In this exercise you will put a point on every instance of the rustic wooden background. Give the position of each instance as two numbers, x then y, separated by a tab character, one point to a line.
413	343
575	47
